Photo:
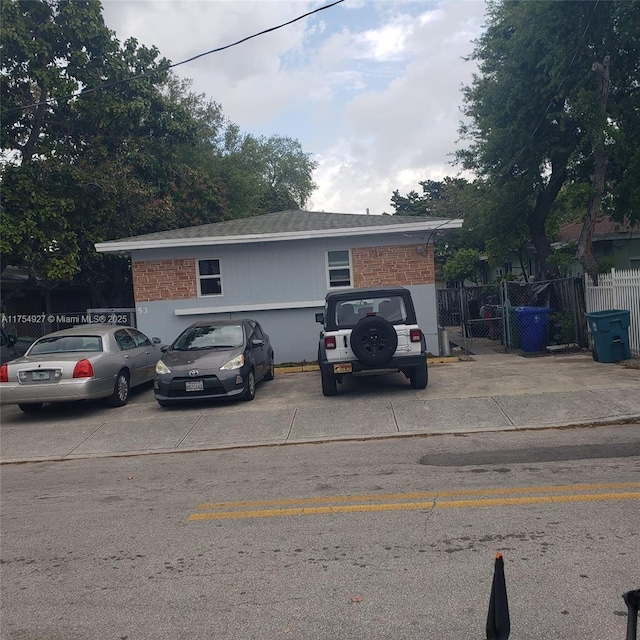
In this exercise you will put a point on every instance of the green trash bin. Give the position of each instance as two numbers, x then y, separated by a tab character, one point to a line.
610	332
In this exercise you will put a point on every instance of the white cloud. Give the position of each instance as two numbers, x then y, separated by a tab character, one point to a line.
371	88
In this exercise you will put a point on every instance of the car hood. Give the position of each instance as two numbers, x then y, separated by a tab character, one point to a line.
203	358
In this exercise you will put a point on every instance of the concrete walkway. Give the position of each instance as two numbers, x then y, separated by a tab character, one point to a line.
493	392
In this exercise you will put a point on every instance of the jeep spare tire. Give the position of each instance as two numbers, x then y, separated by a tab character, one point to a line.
374	341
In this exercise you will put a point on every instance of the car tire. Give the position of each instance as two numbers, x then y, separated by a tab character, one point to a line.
31	407
594	355
120	395
419	377
374	341
329	383
271	370
250	387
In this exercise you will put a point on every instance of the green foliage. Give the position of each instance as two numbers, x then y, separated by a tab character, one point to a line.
605	265
451	198
564	259
134	156
463	265
565	325
532	114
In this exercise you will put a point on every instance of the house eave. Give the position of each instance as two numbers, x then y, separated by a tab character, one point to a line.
126	246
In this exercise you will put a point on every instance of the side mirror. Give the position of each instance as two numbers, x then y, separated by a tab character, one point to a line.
320	318
256	342
156	340
164	347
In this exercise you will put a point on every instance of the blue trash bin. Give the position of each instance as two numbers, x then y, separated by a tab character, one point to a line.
533	322
610	331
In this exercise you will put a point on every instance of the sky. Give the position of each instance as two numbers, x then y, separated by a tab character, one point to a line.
371	89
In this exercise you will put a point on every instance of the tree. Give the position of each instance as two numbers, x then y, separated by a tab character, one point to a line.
449	198
101	141
531	123
463	265
69	159
265	174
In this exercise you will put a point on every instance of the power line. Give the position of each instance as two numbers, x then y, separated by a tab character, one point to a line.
108	85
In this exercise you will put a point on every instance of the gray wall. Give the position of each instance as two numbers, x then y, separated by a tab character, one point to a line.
267	274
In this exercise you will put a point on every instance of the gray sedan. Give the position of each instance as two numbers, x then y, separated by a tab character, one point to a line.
83	363
214	359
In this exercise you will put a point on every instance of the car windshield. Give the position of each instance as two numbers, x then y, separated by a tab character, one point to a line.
65	344
226	336
391	308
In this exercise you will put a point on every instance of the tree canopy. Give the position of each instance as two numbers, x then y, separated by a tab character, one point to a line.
534	111
101	141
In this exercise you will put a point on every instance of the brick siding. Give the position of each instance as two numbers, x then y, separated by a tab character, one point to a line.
393	265
164	280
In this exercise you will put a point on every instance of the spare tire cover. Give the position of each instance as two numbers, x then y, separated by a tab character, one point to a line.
374	341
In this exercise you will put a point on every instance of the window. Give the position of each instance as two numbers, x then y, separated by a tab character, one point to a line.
392	309
209	280
140	339
257	331
124	340
339	268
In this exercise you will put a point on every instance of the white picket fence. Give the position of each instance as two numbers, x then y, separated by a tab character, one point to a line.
618	290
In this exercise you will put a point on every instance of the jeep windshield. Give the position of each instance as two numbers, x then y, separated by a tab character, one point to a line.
391	308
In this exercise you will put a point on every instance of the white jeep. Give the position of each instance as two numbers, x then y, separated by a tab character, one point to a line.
369	331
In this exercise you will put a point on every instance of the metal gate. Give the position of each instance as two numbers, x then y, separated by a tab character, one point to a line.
518	316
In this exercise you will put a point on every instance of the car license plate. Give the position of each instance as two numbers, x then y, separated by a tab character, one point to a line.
40	375
344	367
194	385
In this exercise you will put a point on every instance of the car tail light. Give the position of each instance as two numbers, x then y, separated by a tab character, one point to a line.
83	369
330	342
415	335
4	373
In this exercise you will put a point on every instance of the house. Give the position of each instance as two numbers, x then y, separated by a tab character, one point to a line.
614	243
277	269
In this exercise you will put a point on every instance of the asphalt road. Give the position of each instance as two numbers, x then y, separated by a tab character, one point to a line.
372	540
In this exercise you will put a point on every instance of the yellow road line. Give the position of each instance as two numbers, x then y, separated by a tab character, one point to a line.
401	506
421	495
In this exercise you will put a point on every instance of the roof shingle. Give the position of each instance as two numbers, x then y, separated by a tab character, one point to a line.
282	222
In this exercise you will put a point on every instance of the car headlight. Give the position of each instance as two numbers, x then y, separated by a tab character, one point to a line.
161	368
236	363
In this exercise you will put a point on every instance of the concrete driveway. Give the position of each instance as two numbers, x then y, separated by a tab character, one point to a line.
489	393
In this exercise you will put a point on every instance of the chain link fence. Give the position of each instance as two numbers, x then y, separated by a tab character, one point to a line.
515	316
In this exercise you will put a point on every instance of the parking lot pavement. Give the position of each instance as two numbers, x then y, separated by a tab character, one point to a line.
489	393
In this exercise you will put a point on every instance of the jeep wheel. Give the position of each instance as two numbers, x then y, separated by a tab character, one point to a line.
374	341
419	377
329	384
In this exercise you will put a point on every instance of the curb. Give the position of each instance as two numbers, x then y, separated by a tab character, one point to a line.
626	420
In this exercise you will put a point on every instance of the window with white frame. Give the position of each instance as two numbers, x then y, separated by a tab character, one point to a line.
339	268
209	277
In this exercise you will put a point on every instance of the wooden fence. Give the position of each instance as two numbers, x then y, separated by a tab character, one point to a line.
618	290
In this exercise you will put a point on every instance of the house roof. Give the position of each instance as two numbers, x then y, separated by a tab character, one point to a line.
606	229
282	225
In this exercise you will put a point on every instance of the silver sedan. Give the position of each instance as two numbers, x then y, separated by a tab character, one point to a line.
82	363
